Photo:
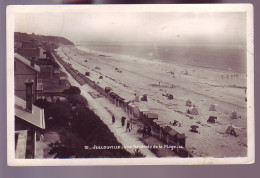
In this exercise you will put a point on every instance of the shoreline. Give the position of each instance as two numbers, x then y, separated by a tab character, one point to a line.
177	63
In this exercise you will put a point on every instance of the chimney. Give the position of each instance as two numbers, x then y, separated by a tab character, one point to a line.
29	97
32	62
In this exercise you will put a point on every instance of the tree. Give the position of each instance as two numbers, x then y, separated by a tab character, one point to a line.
72	91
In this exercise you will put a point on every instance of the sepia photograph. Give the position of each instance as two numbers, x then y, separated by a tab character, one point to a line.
130	85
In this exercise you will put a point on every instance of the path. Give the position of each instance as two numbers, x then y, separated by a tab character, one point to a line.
125	138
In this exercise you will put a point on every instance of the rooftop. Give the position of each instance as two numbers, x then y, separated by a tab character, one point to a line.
36	117
21	144
26	62
29	52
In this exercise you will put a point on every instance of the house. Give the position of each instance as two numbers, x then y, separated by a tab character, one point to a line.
17	45
62	81
46	67
29	44
29	119
25	70
56	71
31	51
29	123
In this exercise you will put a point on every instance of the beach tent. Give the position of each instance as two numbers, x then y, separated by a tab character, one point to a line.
137	99
212	107
175	123
194	128
170	96
144	98
108	89
234	115
188	103
212	119
231	130
193	111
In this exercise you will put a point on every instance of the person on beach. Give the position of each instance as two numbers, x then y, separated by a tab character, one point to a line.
128	126
113	119
144	132
123	121
149	131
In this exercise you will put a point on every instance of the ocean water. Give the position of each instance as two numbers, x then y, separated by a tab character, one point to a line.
221	57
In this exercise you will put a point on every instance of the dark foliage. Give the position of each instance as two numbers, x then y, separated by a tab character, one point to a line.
79	127
72	91
138	154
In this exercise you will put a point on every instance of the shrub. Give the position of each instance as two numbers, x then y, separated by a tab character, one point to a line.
138	154
72	91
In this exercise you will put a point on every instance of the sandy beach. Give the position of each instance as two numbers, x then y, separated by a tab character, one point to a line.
202	86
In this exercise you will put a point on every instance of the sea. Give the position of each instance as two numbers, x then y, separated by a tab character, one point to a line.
225	57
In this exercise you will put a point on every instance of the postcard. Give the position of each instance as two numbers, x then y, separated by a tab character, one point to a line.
130	85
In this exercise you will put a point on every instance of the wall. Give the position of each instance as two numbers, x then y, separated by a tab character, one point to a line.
23	72
42	53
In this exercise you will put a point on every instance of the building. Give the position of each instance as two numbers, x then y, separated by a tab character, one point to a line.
29	124
29	119
25	70
31	51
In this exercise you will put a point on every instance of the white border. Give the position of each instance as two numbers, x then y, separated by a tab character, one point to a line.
13	9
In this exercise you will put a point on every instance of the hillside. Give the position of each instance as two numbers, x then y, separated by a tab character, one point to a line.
41	40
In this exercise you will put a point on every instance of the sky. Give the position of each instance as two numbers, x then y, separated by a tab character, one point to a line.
137	27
